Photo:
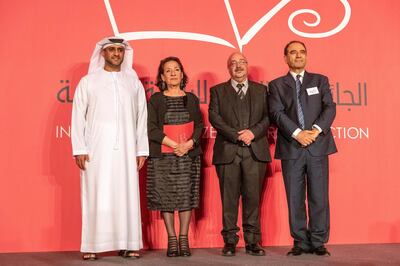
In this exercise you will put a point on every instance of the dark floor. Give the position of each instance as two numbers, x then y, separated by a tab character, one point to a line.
376	254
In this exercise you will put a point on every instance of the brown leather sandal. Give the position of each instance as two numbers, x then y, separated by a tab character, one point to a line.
89	256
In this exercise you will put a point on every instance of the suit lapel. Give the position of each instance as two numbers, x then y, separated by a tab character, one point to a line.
231	97
290	88
306	81
290	82
253	98
303	95
303	91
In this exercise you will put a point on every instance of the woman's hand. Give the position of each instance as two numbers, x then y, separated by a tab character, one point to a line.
183	148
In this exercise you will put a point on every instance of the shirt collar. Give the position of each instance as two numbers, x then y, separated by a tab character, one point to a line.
294	75
234	83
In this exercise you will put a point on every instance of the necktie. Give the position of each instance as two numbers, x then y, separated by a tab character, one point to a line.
240	92
300	114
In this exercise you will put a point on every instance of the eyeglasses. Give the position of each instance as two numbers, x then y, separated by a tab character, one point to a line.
238	63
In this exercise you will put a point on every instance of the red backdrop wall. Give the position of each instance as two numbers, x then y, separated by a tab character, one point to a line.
45	49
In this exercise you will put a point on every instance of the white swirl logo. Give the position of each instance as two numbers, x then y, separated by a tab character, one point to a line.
241	41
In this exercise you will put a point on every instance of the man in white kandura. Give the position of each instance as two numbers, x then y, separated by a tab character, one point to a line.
110	145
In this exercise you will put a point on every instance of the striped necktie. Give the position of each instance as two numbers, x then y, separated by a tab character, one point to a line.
300	114
240	92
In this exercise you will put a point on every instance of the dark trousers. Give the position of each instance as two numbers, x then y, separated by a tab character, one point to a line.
243	177
310	175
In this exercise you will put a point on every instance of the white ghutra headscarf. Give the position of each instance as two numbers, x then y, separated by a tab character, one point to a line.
97	60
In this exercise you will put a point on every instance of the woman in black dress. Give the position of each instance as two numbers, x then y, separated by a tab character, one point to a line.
173	176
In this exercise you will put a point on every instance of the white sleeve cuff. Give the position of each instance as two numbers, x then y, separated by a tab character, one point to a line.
142	153
317	127
296	132
80	152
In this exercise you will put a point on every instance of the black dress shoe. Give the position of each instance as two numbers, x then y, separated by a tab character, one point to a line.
321	251
255	250
297	251
229	250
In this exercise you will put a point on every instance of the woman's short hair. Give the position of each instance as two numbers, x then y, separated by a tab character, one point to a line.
160	83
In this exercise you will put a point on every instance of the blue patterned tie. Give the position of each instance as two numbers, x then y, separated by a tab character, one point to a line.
300	114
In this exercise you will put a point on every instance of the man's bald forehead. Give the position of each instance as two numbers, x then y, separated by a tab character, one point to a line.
236	54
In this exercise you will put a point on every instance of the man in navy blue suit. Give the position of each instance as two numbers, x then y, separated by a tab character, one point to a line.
301	105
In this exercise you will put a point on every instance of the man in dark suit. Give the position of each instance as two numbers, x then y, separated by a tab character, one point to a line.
301	105
239	112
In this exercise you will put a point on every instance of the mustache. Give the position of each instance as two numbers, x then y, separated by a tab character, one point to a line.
239	69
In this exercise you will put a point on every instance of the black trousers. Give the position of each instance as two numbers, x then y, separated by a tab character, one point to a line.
309	176
243	177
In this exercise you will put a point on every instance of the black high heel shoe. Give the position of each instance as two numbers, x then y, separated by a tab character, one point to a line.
172	250
184	246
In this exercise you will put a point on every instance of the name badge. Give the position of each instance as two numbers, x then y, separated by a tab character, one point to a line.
312	91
